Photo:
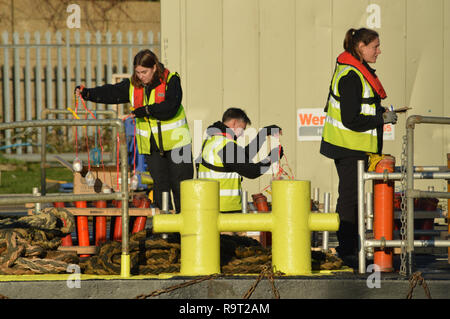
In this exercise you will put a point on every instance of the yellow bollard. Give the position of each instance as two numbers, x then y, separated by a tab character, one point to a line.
197	224
290	222
291	236
125	265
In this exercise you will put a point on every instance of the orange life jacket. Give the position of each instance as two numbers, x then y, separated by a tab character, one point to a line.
347	58
160	92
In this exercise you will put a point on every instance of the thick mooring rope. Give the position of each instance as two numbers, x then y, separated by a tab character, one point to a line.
150	254
28	244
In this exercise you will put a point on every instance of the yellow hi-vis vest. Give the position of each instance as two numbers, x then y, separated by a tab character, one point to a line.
168	134
334	131
229	182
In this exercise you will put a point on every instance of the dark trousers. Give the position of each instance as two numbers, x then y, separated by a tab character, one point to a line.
347	204
167	171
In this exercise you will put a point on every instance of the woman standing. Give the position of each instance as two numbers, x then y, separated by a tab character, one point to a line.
162	132
354	127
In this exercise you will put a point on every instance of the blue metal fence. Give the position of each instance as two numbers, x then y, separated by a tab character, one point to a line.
42	72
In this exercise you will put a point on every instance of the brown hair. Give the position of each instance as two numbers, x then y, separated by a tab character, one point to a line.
147	59
354	36
235	113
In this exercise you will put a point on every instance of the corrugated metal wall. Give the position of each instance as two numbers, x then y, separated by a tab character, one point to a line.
273	57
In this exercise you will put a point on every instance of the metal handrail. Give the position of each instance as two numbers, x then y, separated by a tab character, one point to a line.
410	192
410	195
44	114
122	195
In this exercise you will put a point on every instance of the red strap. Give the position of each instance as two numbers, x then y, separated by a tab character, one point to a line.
160	92
347	58
227	135
138	95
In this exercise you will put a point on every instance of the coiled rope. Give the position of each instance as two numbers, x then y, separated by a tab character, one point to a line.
28	245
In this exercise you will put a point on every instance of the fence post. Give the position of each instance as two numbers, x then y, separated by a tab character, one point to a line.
28	110
48	74
6	93
17	95
69	89
37	40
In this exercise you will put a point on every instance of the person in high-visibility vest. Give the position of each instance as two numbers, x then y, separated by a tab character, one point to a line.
222	159
354	127
162	132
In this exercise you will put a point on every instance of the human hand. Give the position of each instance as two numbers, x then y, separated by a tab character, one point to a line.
273	130
78	90
142	111
389	117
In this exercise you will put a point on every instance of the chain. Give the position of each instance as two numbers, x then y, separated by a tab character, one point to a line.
403	229
416	278
182	285
266	272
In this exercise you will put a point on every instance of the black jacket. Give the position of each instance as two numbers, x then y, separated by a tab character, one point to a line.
350	91
240	160
120	93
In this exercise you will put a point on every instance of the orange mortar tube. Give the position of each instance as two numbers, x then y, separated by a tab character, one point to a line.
82	227
66	241
117	234
260	202
100	224
383	223
139	223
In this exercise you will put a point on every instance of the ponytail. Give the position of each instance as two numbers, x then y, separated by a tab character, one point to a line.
354	36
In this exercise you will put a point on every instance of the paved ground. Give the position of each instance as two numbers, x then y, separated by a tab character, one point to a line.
343	285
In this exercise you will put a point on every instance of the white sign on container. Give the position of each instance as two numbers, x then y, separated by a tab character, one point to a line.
310	122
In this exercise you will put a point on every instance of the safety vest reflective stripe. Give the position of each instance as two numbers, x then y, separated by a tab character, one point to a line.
143	133
174	132
170	126
366	109
229	182
341	126
360	140
209	153
230	192
334	131
218	175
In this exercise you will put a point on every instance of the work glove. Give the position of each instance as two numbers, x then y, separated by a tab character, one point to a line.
389	117
82	91
143	111
273	130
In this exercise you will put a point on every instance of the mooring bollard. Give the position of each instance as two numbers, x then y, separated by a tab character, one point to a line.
290	222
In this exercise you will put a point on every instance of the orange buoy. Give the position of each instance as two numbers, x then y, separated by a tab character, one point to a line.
82	227
383	223
67	240
260	202
100	224
139	223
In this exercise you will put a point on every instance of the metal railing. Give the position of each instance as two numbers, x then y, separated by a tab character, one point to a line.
44	115
410	193
122	195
